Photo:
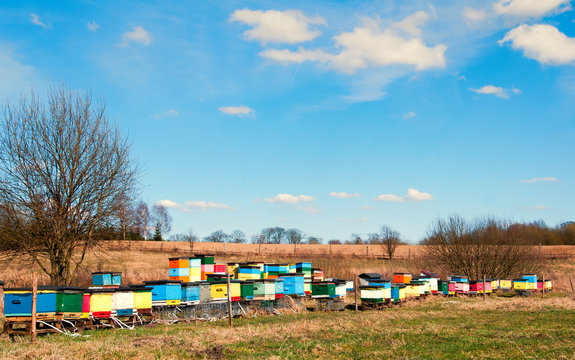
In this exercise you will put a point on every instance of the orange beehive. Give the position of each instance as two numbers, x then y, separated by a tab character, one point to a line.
402	278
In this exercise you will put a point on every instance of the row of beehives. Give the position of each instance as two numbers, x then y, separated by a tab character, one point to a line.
374	289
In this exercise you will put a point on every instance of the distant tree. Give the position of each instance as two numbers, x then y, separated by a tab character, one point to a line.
237	236
275	235
162	217
142	219
126	216
312	240
334	242
294	236
158	233
216	236
389	239
63	168
356	239
258	238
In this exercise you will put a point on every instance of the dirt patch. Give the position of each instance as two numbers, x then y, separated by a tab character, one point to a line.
216	352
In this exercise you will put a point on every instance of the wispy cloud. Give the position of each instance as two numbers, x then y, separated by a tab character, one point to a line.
35	19
194	206
93	26
496	91
409	115
535	208
343	195
167	114
540	179
138	35
310	209
530	8
273	26
289	199
367	207
413	195
241	111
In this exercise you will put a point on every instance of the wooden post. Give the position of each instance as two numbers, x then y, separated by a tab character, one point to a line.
543	286
367	251
224	248
355	286
294	248
229	300
1	297
484	292
34	298
330	253
260	249
571	282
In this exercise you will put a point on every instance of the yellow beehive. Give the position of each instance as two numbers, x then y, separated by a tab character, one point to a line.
219	291
548	285
520	285
142	299
505	284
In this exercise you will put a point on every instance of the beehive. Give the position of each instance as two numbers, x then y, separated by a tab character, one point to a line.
206	265
322	289
458	278
425	288
412	290
340	289
371	294
402	278
506	285
264	289
365	278
18	301
307	287
548	285
69	302
432	283
247	290
220	268
531	282
101	302
249	272
446	287
205	293
190	293
398	293
219	291
305	268
165	292
101	278
349	285
317	275
185	269
294	284
475	287
142	299
520	285
279	288
123	301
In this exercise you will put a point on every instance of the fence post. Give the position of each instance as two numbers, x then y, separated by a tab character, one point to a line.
543	286
367	251
1	297
355	286
260	249
34	298
229	299
224	248
571	282
294	248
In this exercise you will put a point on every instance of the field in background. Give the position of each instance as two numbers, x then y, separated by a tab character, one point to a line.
437	328
140	260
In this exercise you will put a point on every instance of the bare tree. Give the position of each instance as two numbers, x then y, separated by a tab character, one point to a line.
275	235
294	236
389	239
216	236
126	216
489	247
237	236
163	219
63	168
142	219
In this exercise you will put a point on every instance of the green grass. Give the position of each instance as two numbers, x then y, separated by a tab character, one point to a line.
501	328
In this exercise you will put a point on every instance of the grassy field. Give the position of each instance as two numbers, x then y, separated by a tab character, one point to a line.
501	328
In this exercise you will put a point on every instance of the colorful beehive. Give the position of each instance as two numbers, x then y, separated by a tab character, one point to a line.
371	294
402	278
317	275
432	284
349	285
520	285
292	268
69	302
106	278
264	290
531	281
220	268
294	284
86	303
307	287
142	299
425	288
446	288
190	293
458	278
260	265
398	293
101	303
18	301
506	285
279	288
247	290
365	278
165	292
185	269
219	291
341	290
248	272
476	287
305	268
494	284
216	277
461	284
386	284
548	285
322	289
206	265
123	301
413	290
233	270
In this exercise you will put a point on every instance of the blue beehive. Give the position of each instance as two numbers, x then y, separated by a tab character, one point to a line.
18	301
279	288
293	284
101	278
116	278
191	293
180	271
386	284
165	292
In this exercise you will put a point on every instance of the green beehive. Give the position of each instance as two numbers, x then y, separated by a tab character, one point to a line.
247	290
206	259
322	289
69	301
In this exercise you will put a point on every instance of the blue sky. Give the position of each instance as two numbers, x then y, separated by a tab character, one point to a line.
332	117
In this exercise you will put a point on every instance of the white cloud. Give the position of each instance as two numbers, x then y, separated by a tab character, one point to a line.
35	19
273	26
540	179
370	46
409	115
535	208
193	206
138	35
310	209
529	8
204	206
167	114
544	43
367	207
413	23
413	195
343	195
15	76
93	26
492	90
241	111
290	199
475	14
